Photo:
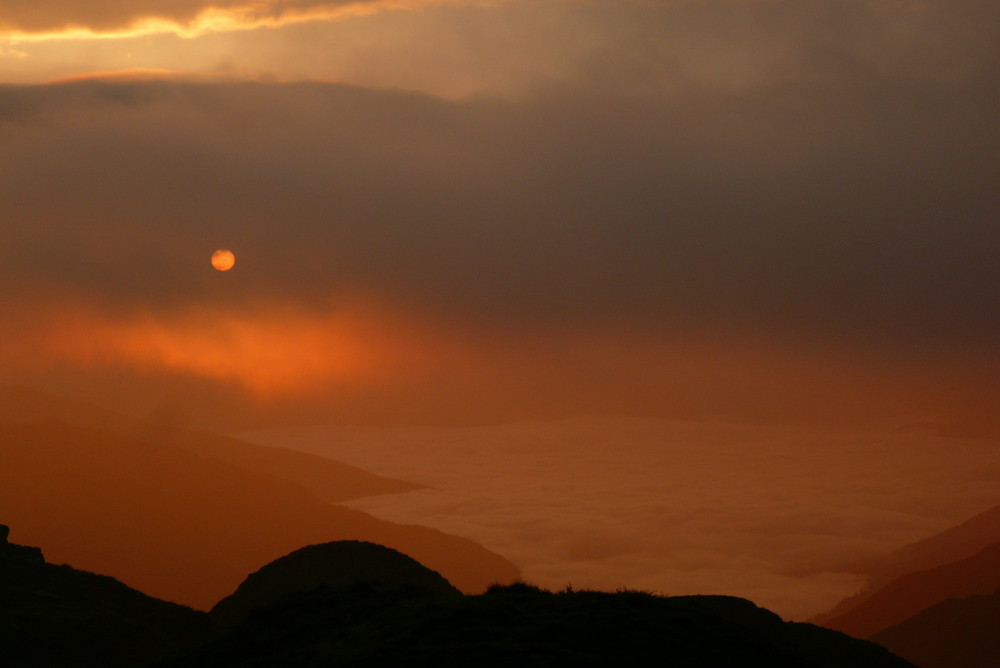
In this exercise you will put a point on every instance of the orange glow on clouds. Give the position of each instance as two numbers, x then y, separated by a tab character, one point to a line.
251	16
267	350
393	362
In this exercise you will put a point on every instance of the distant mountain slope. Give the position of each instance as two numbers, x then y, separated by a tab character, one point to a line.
955	544
329	480
339	565
57	616
523	626
183	527
960	632
959	542
908	595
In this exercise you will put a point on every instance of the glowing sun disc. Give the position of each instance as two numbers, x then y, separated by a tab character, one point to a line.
223	260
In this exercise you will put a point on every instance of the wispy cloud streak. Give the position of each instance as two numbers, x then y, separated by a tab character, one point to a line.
71	21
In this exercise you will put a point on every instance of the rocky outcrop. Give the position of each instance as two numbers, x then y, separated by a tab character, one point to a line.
11	552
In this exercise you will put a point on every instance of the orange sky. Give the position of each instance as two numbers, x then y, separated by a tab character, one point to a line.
480	211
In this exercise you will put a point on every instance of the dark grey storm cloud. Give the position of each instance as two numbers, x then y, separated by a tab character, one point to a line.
845	191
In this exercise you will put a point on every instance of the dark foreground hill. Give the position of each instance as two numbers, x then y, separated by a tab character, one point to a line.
518	625
376	607
958	632
57	616
339	565
350	603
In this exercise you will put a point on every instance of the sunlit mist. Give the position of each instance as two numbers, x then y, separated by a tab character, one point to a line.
268	350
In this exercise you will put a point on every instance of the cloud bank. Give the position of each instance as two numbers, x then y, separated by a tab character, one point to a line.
816	206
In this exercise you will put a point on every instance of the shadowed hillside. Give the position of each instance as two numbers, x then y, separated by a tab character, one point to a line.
523	626
958	632
888	582
183	527
57	616
955	544
909	594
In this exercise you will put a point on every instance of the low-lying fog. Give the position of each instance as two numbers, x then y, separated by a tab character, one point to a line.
783	516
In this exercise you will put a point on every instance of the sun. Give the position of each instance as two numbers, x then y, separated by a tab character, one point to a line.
223	260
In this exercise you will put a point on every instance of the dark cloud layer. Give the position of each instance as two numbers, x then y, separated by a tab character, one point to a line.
871	206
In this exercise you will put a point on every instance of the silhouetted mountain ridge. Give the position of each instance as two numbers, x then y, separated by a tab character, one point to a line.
522	626
377	607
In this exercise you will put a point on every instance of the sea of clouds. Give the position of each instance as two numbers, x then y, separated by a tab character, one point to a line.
788	517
